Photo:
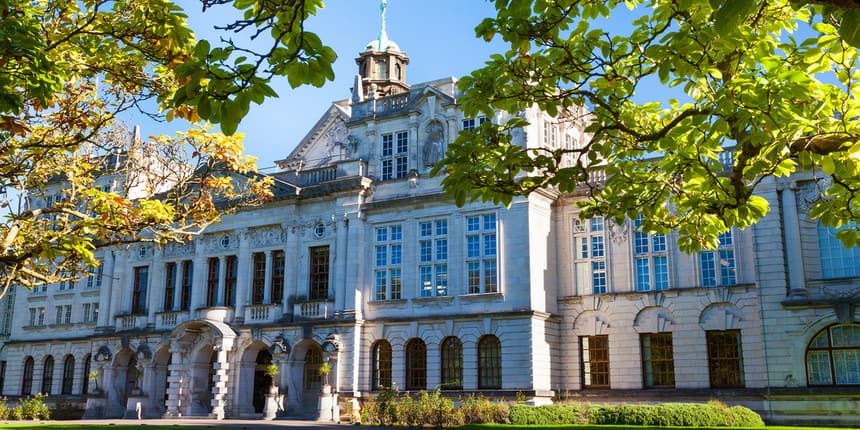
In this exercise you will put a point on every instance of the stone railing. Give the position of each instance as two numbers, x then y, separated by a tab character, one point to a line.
170	319
128	322
255	314
313	310
328	173
216	313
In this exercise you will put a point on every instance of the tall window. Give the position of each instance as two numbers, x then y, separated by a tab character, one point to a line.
169	286
258	281
550	135
489	362
231	277
837	261
658	361
380	365
389	254
85	377
90	312
48	375
319	273
395	149
433	258
381	70
187	281
138	295
594	351
481	269
452	364
37	316
833	356
2	375
650	258
68	374
590	251
212	281
725	358
94	280
416	365
27	379
277	276
718	267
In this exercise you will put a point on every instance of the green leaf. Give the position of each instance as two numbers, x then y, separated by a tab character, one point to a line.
849	29
731	14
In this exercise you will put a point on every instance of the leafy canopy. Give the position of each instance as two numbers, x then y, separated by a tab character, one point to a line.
72	180
761	89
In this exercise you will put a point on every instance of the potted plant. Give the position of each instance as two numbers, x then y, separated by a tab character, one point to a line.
136	374
273	370
94	376
324	370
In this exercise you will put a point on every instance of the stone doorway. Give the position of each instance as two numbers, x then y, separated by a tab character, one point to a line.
262	382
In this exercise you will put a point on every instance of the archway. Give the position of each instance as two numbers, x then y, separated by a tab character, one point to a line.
202	381
311	378
262	381
123	381
161	366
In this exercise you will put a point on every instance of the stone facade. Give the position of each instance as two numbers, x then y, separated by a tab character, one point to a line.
363	263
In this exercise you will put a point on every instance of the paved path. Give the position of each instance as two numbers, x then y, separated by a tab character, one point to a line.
207	423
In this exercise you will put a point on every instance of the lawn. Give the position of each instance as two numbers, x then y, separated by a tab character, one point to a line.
37	426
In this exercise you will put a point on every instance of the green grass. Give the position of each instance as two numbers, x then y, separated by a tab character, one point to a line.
616	427
37	426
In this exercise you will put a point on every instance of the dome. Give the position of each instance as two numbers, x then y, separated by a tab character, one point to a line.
381	45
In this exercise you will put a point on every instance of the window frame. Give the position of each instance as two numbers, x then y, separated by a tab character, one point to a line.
170	277
394	156
388	261
416	364
829	349
720	366
590	250
433	253
482	263
318	275
380	365
719	274
68	375
592	368
27	376
213	274
650	251
48	375
258	278
489	362
231	280
652	378
451	364
140	283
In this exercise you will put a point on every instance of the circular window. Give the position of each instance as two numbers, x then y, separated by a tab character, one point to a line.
141	252
319	230
225	241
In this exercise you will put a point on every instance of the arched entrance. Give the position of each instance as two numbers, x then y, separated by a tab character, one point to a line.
311	378
121	382
262	381
199	354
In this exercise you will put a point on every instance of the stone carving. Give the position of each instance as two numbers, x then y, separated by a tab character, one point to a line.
808	193
175	249
220	241
267	236
434	143
617	232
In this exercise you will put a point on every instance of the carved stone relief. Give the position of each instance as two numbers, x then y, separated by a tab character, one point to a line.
267	236
434	143
174	249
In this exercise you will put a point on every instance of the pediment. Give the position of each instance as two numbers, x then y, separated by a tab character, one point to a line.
324	143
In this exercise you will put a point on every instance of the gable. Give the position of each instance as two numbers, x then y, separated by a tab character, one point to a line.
324	143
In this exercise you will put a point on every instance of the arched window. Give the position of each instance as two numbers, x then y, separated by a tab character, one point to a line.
27	381
397	72
48	375
452	364
312	377
489	362
833	356
380	365
837	261
68	374
85	385
416	365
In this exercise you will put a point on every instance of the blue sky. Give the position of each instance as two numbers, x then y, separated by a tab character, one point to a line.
438	36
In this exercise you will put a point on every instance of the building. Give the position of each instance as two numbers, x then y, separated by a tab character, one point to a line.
362	262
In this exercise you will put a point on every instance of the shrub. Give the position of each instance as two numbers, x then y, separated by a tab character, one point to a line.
745	417
546	415
438	411
35	408
480	410
713	414
5	410
369	413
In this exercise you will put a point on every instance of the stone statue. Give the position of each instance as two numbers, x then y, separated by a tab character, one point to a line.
433	148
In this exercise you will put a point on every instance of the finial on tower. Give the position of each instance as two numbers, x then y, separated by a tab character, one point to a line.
382	34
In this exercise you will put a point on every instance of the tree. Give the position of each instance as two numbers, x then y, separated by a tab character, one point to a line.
68	69
771	84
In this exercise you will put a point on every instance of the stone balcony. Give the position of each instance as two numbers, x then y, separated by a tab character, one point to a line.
262	314
328	170
313	310
170	319
130	322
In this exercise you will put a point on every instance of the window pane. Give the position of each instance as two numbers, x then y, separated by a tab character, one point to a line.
643	275
473	246
818	368
709	273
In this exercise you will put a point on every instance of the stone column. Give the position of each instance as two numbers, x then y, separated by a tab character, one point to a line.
434	373
243	278
290	258
219	389
793	248
340	253
178	383
415	161
155	288
107	295
267	286
453	128
222	275
198	281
